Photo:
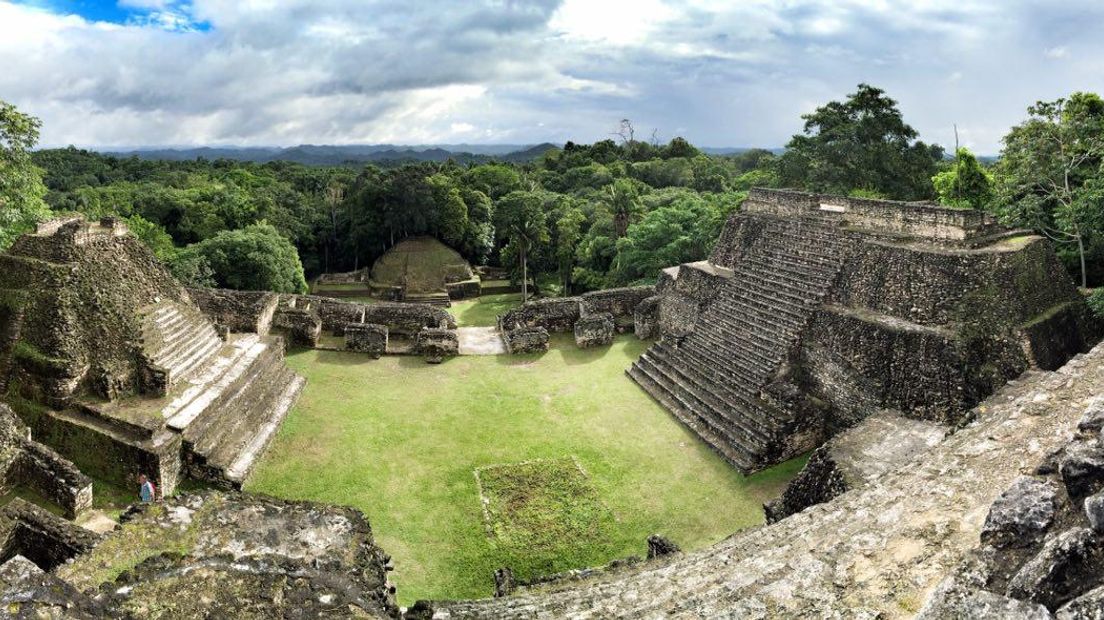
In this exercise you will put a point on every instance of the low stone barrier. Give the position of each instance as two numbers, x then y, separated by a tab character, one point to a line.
526	340
555	314
594	330
366	338
435	344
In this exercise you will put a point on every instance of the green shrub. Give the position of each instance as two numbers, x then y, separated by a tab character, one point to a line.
1096	302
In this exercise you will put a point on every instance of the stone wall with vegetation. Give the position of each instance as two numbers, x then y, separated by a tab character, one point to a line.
237	311
74	294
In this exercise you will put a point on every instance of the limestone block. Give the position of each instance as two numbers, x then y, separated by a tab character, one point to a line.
595	330
1021	514
526	340
1082	468
437	343
1057	572
367	338
1088	606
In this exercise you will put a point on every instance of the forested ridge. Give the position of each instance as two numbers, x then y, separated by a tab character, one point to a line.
575	218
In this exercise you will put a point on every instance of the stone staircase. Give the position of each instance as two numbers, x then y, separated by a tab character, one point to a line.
439	299
230	413
177	341
712	379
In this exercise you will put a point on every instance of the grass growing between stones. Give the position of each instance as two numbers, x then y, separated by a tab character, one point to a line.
401	440
483	311
535	510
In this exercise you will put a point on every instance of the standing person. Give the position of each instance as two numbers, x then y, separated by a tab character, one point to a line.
146	490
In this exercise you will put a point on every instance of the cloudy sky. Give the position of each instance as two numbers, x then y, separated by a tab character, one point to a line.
719	72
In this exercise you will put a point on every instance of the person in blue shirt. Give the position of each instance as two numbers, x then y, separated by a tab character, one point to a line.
146	489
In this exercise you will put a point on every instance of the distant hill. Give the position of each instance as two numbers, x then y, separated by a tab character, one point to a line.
335	155
379	154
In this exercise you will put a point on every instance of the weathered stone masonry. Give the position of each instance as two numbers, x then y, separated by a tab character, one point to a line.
815	312
109	361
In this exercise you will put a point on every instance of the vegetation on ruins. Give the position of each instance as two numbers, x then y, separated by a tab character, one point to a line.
966	184
405	452
863	144
1051	175
1096	302
21	188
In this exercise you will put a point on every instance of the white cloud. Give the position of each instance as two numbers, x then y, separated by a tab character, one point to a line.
720	72
1056	53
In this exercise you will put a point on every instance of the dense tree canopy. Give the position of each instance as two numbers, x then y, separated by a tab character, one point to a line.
1051	175
254	258
862	143
573	219
21	188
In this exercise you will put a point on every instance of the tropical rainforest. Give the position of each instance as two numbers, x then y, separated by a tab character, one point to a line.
576	218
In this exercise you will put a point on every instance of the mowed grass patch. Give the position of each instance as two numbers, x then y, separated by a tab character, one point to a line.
543	513
399	439
483	311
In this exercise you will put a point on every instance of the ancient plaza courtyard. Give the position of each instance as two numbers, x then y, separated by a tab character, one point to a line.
401	440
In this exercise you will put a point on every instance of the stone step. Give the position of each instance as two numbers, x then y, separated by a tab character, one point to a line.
218	379
239	470
210	427
750	407
742	462
746	374
703	415
232	439
730	416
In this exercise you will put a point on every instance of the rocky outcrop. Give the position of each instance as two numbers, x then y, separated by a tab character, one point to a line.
1041	547
215	555
854	458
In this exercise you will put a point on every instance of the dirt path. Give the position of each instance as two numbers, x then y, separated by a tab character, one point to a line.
480	341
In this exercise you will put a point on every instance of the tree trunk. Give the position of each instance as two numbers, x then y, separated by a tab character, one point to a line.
524	278
1081	251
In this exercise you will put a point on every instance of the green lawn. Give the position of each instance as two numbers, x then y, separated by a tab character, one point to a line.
402	440
482	311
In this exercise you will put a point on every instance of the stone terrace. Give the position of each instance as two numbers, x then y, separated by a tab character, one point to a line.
816	311
878	551
119	370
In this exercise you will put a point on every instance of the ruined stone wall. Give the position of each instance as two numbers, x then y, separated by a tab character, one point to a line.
237	311
907	219
405	319
555	314
560	314
47	540
620	303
